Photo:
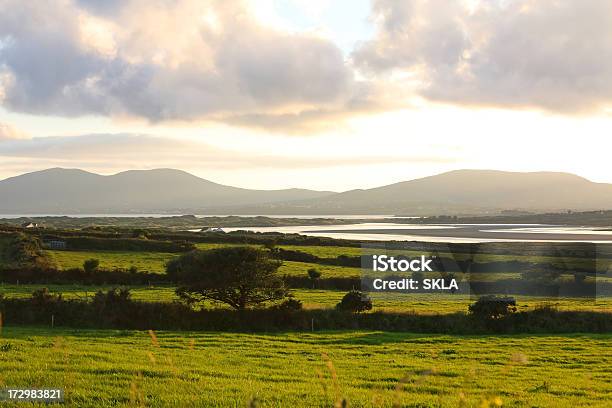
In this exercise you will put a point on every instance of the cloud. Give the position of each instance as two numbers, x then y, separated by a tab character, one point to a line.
545	54
167	61
8	132
124	150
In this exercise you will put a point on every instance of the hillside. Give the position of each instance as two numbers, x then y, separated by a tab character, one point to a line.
62	191
65	191
464	192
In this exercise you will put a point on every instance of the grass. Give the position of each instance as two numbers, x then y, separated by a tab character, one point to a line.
105	368
327	271
144	261
156	262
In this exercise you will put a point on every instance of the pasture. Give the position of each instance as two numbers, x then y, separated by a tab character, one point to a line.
104	368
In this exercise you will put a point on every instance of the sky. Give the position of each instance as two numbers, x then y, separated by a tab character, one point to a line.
321	94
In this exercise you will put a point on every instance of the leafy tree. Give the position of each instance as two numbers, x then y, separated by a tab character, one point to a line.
314	275
355	301
492	307
238	276
91	265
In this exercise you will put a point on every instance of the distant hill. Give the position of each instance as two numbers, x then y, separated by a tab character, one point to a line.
464	192
64	191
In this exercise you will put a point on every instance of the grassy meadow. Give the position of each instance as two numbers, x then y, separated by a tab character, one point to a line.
121	368
106	368
144	261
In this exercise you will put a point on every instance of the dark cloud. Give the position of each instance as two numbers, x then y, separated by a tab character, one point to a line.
549	54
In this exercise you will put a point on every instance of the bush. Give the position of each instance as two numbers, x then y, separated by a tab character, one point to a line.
355	302
42	297
112	298
291	304
492	307
91	265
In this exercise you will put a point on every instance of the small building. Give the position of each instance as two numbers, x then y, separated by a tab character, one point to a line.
55	244
30	225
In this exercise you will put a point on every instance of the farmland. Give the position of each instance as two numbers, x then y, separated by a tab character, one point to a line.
309	366
144	261
103	368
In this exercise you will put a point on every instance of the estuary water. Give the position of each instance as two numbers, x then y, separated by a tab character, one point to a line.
446	232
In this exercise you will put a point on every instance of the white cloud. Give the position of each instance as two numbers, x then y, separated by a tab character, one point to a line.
544	54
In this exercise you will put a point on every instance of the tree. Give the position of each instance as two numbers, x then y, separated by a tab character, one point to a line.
355	301
314	275
492	307
91	265
238	276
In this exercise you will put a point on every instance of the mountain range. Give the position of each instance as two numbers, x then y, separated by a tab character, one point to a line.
72	191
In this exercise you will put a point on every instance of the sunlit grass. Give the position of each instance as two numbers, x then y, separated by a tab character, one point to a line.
104	368
144	261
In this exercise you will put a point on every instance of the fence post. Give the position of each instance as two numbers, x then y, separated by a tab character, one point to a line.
52	321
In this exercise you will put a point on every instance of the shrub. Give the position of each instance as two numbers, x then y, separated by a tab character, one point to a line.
355	302
492	307
113	297
91	265
42	297
290	304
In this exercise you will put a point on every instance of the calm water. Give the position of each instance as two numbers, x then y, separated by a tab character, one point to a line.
446	232
402	232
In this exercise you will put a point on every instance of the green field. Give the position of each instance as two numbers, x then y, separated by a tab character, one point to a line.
144	261
172	369
156	262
